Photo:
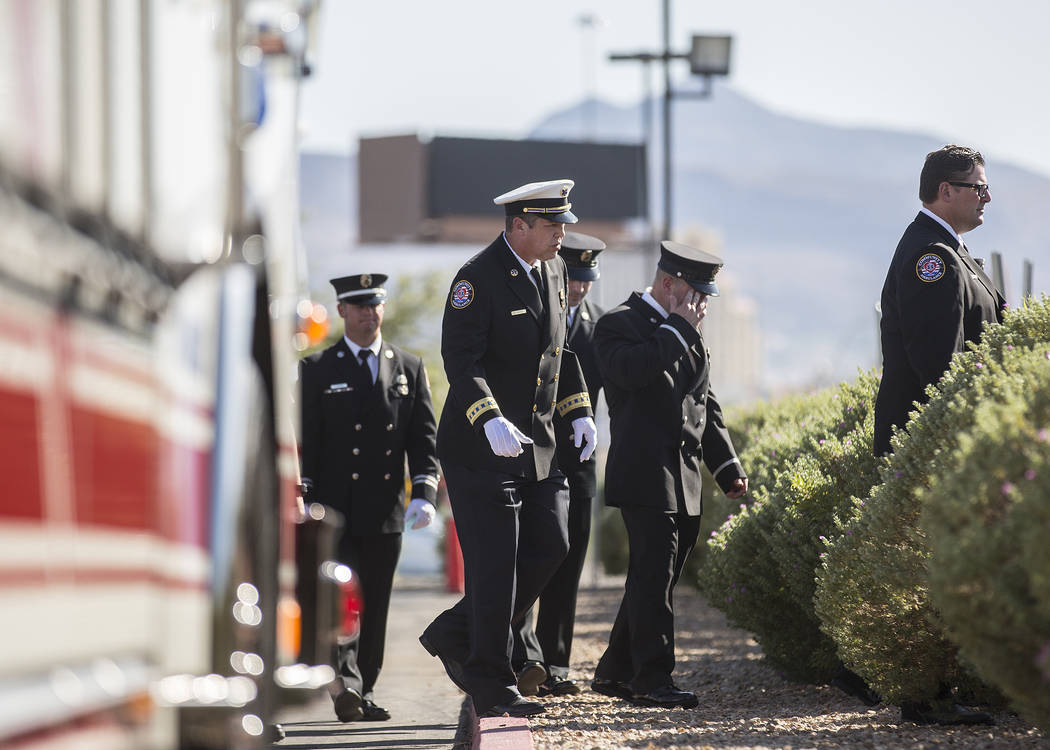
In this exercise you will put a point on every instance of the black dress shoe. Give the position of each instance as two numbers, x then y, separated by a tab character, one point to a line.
612	688
558	686
947	713
666	696
453	667
518	707
372	712
853	684
348	705
530	676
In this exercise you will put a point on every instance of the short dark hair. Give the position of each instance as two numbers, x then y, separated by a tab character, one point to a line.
529	219
944	165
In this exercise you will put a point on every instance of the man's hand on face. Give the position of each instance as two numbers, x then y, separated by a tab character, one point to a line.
692	306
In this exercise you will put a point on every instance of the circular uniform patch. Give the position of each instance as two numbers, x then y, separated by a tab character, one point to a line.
462	295
930	267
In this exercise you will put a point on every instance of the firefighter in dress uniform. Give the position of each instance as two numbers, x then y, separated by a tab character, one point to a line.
935	299
664	421
509	373
366	406
542	653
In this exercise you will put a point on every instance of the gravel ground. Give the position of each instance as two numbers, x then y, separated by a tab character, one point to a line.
743	702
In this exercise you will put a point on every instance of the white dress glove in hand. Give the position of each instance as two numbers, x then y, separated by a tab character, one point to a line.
506	439
419	514
585	433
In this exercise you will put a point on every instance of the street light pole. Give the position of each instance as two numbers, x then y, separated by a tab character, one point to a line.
709	57
668	190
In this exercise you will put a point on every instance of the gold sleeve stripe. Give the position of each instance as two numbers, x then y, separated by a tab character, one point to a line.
575	401
479	407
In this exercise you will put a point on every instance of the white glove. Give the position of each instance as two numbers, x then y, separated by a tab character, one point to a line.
419	514
505	439
585	433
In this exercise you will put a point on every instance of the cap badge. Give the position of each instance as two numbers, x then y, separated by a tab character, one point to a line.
366	280
585	255
564	192
462	295
514	272
929	268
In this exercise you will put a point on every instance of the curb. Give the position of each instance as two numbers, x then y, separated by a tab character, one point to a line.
492	733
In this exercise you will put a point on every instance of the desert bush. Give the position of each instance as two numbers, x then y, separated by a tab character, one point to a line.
872	596
986	517
814	452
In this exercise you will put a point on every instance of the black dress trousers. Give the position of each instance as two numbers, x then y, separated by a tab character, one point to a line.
641	644
513	532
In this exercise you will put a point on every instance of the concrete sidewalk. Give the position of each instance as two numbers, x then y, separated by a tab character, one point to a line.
423	703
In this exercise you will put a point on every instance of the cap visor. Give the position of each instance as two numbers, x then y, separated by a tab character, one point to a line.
565	217
582	274
707	287
375	299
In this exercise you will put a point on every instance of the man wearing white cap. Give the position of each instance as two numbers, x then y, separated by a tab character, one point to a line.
548	647
664	420
503	344
366	406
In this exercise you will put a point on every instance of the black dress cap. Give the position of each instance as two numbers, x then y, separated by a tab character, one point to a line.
580	253
364	289
696	267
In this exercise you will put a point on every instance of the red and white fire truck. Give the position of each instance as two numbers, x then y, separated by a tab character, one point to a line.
151	592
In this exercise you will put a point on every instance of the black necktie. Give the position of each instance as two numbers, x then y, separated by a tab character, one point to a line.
366	371
538	279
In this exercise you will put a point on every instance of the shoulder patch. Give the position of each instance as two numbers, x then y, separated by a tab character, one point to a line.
462	294
930	267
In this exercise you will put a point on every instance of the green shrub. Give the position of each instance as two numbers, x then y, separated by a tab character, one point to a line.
814	453
872	597
987	521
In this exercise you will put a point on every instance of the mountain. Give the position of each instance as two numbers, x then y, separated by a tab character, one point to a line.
809	215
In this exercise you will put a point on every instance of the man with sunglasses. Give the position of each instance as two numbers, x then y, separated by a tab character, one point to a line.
936	297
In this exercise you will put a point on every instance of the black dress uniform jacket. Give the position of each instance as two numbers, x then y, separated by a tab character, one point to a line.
505	356
354	447
582	475
664	417
924	322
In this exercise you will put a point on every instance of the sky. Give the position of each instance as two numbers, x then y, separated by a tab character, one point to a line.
970	72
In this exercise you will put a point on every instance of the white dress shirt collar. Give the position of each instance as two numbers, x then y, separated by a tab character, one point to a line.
521	260
648	297
376	346
943	223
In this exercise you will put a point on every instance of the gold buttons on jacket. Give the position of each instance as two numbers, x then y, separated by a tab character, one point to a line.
557	350
388	451
386	476
357	427
535	408
355	475
537	381
357	451
389	427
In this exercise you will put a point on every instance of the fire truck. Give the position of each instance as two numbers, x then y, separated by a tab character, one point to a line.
162	584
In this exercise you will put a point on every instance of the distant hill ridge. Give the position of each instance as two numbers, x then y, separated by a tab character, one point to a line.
809	215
